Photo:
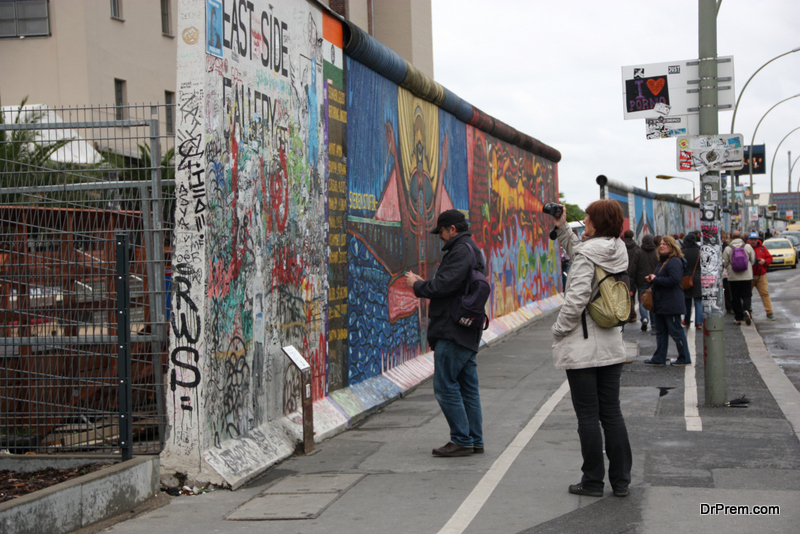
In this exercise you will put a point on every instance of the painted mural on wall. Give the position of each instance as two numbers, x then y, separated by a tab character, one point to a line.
662	217
307	185
508	187
398	157
427	162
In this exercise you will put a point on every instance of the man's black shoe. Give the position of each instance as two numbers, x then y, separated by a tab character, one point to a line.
477	450
621	492
578	489
747	318
651	362
644	325
453	449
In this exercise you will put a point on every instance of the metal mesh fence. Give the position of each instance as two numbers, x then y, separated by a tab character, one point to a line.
71	179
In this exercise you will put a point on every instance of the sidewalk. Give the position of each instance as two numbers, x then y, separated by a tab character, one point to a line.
381	477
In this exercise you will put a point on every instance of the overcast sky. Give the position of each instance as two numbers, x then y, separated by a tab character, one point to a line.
553	71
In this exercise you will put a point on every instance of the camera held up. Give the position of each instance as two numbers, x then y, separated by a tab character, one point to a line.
551	208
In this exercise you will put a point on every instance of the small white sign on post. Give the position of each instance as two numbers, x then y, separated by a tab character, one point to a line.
705	153
296	358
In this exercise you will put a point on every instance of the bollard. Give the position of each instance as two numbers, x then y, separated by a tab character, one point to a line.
716	378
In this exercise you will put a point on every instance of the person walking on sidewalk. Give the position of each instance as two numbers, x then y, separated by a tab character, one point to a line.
643	263
763	260
455	347
740	276
669	303
691	253
632	249
593	361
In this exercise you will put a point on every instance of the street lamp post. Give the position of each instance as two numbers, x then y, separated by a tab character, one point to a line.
772	168
665	177
716	381
752	142
736	107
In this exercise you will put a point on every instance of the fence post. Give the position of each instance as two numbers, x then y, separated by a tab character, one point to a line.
124	348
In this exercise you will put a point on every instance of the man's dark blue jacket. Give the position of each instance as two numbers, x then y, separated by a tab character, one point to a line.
445	289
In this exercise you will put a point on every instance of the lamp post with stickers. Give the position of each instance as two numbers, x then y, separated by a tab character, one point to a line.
716	381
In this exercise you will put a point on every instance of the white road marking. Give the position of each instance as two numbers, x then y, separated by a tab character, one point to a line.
460	520
690	412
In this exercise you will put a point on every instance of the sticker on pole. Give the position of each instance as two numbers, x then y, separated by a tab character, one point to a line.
705	153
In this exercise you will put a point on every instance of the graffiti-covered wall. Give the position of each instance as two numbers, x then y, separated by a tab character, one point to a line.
651	213
308	182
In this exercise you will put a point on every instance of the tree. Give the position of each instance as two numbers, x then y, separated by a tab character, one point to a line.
574	212
23	161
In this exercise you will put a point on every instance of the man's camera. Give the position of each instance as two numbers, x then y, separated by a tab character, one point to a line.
551	208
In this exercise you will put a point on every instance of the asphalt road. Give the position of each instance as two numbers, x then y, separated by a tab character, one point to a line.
782	336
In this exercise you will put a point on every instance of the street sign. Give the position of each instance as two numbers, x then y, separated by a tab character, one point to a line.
753	210
772	208
789	215
705	153
661	89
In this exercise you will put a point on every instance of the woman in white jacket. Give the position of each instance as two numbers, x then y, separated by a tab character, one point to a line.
593	358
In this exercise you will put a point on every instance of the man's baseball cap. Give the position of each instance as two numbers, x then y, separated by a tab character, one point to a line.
753	235
448	218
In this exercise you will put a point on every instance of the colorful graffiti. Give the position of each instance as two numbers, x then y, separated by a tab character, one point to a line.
307	185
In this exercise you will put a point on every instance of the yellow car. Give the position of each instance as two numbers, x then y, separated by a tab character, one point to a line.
783	253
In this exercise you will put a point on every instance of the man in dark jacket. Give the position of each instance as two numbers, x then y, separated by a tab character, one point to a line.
632	249
643	263
455	373
694	295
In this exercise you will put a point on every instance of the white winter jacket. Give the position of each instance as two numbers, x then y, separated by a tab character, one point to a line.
604	346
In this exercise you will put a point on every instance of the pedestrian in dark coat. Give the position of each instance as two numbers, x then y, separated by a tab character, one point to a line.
643	263
669	303
632	248
693	296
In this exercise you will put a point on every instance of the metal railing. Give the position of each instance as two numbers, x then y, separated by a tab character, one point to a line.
82	196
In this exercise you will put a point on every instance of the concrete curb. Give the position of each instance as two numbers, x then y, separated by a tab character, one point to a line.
83	500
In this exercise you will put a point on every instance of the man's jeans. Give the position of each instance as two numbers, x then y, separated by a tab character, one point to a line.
455	385
670	326
642	312
595	397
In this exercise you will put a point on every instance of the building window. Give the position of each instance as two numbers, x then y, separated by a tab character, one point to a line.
24	18
169	99
116	9
120	99
166	27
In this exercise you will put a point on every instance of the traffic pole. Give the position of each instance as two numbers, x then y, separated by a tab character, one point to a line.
716	382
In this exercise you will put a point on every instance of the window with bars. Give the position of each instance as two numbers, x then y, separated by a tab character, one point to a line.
120	99
24	18
116	9
169	100
166	23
